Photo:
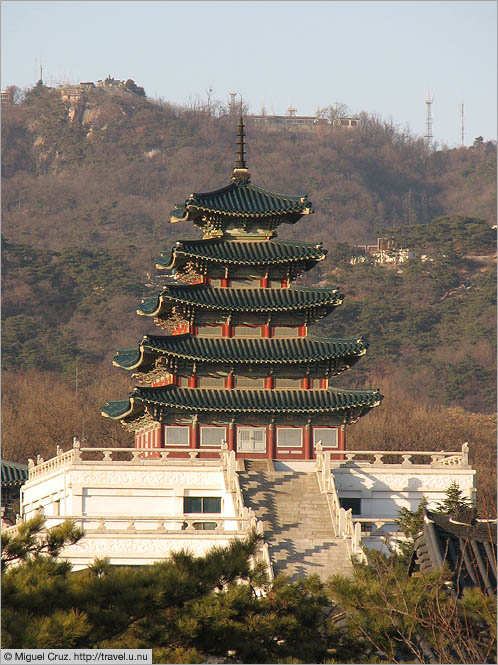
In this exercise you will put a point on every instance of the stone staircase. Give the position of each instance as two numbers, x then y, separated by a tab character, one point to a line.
297	523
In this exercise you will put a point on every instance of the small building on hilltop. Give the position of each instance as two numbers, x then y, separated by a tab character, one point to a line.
236	423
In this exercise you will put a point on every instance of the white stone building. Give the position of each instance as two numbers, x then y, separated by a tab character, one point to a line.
137	507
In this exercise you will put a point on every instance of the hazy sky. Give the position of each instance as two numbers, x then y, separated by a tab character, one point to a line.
379	57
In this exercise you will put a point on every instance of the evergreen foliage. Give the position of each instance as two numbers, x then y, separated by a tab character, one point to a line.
401	619
219	608
30	543
455	505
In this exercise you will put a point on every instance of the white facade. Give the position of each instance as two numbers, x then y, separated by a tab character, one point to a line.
137	507
138	510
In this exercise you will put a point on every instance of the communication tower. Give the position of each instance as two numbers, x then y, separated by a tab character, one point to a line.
428	121
463	132
231	103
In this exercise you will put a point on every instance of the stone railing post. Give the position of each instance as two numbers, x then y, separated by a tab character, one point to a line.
326	469
76	450
223	454
341	522
465	454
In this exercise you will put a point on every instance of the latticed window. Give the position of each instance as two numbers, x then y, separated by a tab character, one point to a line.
212	436
249	382
289	437
284	382
242	283
247	331
175	435
209	331
328	436
211	382
251	439
285	331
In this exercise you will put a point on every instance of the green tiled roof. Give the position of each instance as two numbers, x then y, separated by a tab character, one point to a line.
240	300
242	199
13	474
261	252
240	350
242	401
115	408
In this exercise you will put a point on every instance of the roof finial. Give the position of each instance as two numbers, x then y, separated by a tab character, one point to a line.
240	163
240	170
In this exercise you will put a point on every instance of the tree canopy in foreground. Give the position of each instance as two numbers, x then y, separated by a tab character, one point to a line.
220	607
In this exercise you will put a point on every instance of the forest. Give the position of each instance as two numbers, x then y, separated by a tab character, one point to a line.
87	192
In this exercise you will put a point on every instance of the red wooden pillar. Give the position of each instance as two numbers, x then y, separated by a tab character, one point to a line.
229	381
269	381
224	280
192	380
302	331
306	382
227	329
194	439
341	440
270	443
324	383
231	436
265	282
267	332
308	441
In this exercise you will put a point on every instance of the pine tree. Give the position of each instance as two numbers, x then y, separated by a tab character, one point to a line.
455	505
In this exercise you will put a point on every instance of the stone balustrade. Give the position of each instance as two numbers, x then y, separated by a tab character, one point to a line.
79	455
177	455
41	468
201	524
406	458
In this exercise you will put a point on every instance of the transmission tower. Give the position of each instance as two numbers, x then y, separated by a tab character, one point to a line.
232	102
428	121
463	132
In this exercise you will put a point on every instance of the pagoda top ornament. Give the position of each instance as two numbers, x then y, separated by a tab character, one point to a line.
241	209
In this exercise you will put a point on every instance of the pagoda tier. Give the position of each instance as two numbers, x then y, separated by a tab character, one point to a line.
241	206
186	301
238	365
273	260
343	404
197	359
241	209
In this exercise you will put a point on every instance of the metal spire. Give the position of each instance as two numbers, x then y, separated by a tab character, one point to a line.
240	170
240	163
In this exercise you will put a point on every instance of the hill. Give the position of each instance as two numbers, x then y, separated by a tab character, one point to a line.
88	184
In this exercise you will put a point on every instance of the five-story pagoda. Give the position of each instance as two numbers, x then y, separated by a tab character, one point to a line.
238	362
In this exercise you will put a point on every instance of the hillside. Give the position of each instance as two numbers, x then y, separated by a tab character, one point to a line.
87	190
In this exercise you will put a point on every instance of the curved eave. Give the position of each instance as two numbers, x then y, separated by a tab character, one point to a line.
238	351
198	400
180	254
241	199
121	408
155	305
194	212
130	359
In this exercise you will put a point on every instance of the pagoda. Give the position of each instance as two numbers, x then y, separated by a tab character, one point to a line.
238	364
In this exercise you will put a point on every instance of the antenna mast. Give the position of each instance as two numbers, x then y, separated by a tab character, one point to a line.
463	132
428	122
232	102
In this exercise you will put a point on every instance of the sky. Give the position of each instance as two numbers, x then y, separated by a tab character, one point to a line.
378	57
